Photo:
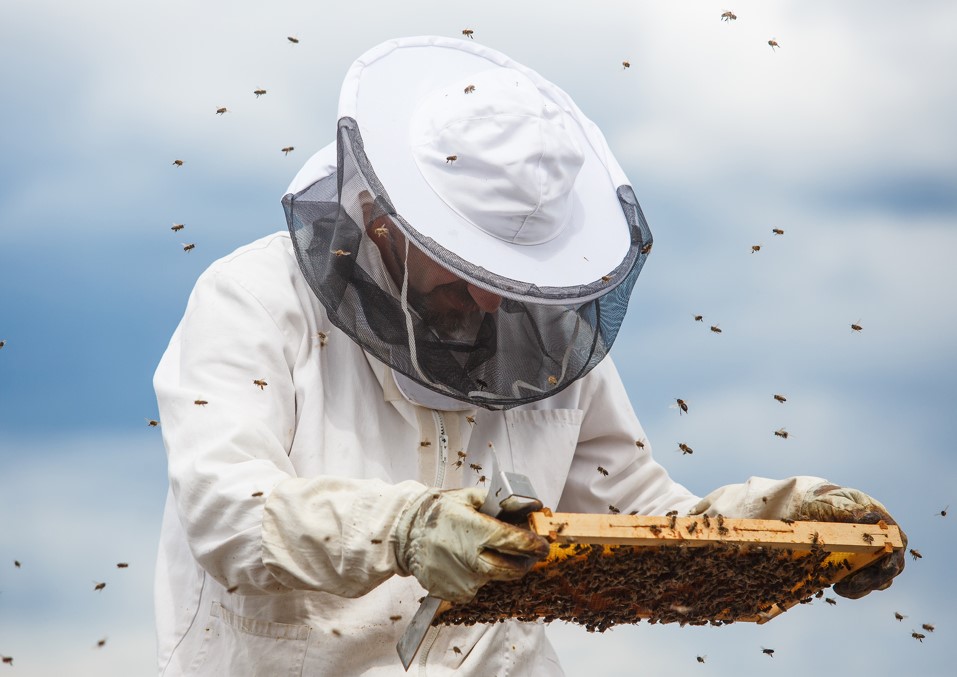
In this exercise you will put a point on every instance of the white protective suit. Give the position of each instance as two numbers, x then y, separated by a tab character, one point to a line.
277	549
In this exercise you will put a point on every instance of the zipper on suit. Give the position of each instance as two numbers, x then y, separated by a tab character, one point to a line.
441	463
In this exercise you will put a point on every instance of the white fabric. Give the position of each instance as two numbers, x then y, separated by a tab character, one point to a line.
383	90
337	453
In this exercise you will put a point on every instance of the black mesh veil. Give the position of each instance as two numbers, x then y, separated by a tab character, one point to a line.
537	341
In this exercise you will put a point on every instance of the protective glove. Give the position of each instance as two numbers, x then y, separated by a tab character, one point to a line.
453	550
831	503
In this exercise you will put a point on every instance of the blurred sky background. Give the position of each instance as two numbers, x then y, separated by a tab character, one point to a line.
844	137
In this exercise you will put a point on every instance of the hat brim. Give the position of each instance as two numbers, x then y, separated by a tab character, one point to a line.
381	92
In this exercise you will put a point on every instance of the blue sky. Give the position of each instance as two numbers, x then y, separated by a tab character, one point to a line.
843	138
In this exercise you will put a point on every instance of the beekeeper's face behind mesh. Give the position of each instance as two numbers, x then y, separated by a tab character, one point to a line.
478	235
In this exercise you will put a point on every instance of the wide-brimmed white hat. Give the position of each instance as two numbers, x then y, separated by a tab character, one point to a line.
490	161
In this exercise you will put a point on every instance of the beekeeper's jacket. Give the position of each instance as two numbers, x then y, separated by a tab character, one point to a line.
291	455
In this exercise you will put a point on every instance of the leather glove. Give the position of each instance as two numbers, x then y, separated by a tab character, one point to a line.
453	550
831	503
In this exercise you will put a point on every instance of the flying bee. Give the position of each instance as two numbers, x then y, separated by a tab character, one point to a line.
698	318
774	44
397	617
780	398
767	652
915	553
220	111
928	627
777	231
122	565
450	159
178	163
98	586
201	403
831	601
782	433
899	616
918	636
684	448
943	513
856	326
476	467
603	471
469	89
640	443
341	252
728	16
552	381
787	521
867	538
288	149
647	248
256	494
606	278
625	64
232	589
700	659
261	383
100	643
681	405
188	246
613	510
755	248
178	227
425	443
457	650
375	541
481	480
467	32
152	423
8	660
293	40
716	329
470	419
16	563
322	337
259	92
2	344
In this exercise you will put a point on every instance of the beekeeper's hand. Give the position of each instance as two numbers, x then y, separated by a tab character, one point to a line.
831	503
453	550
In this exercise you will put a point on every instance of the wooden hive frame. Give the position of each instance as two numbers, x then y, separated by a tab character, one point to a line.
605	570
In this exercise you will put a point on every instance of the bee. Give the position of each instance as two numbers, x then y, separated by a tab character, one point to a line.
336	632
613	510
16	563
261	383
98	586
646	249
693	527
681	405
780	398
552	381
178	163
625	64
259	92
232	589
177	227
755	248
655	529
293	40
288	149
716	329
915	553
256	494
376	541
777	231
425	443
220	111
918	636
606	278
700	659
767	652
201	403
481	480
943	513
672	516
856	326
831	601
684	448
381	231
457	650
469	89
450	159
152	423
640	443
728	16
101	643
341	252
773	43
122	565
481	384
188	246
2	344
706	520
603	471
928	627
470	419
867	538
782	433
397	617
322	337
476	467
787	521
899	616
467	32
8	660
698	318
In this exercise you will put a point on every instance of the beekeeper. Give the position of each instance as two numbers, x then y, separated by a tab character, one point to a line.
457	266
